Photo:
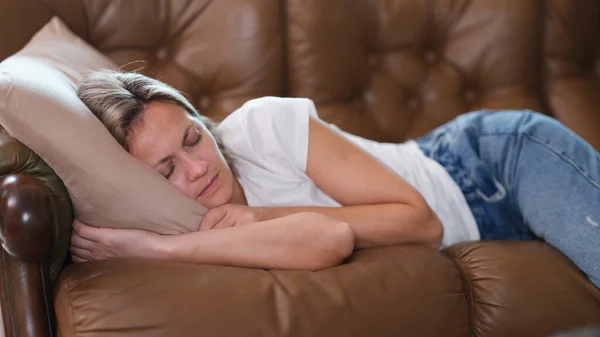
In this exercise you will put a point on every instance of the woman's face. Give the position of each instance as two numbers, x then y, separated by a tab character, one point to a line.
184	152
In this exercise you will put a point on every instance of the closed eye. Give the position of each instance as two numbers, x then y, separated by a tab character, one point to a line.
196	140
186	144
171	169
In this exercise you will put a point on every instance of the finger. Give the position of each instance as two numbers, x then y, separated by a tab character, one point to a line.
225	222
212	218
81	229
81	253
80	242
78	259
76	225
90	233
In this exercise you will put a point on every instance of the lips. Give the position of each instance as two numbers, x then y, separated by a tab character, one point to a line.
210	187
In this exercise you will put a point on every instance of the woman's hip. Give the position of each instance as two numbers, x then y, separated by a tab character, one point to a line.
482	171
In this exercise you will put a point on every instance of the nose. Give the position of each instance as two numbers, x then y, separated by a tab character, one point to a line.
196	168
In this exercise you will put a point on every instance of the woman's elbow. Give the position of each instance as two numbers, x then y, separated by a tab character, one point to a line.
435	230
342	242
335	245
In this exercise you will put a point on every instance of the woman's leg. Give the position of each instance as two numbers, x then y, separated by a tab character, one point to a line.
533	165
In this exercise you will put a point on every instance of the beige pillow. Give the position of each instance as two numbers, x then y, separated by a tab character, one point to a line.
108	187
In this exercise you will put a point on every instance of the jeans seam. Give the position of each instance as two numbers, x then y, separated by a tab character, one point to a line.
564	157
545	144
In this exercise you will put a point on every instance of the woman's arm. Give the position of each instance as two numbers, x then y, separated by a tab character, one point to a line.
380	206
377	225
306	241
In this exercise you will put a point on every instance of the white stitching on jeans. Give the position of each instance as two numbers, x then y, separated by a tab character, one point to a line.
592	222
564	157
499	195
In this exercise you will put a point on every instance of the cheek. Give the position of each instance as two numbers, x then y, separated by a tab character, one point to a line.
211	153
179	181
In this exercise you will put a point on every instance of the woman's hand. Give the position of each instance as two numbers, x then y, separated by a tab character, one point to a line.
92	243
230	215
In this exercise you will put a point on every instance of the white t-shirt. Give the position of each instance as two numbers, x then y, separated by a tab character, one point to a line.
269	139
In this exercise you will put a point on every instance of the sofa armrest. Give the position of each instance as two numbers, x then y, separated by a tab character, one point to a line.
35	227
16	158
28	232
524	288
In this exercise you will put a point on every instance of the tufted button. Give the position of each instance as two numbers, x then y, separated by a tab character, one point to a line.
413	103
470	96
162	53
430	57
204	103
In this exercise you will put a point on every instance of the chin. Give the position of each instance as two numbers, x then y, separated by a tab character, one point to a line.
218	199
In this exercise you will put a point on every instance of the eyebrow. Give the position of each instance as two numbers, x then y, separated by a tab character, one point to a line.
167	157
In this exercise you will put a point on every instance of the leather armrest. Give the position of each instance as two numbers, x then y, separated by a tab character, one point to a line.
524	288
16	158
35	225
28	228
28	233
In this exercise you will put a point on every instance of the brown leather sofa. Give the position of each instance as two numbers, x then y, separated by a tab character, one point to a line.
387	70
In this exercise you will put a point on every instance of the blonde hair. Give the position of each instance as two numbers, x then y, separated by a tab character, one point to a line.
119	99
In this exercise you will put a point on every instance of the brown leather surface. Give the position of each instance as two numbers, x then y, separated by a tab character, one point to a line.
572	63
220	53
19	20
28	233
395	69
17	158
400	291
524	289
28	228
25	296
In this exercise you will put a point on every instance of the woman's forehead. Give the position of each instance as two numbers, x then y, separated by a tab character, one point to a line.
164	113
160	128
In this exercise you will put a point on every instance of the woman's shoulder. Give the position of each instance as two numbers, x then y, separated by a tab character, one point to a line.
270	111
268	127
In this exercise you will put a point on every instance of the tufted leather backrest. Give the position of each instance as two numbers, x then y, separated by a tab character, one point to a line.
572	65
395	69
384	69
220	53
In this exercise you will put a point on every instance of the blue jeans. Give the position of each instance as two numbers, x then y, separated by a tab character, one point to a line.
525	176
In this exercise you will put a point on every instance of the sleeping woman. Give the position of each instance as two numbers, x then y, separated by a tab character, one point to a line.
287	190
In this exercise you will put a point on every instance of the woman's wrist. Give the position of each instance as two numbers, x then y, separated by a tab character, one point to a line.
162	248
261	214
271	213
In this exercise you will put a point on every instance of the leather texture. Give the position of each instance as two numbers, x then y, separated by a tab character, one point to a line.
28	233
17	158
379	292
393	70
387	70
572	65
523	289
220	53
